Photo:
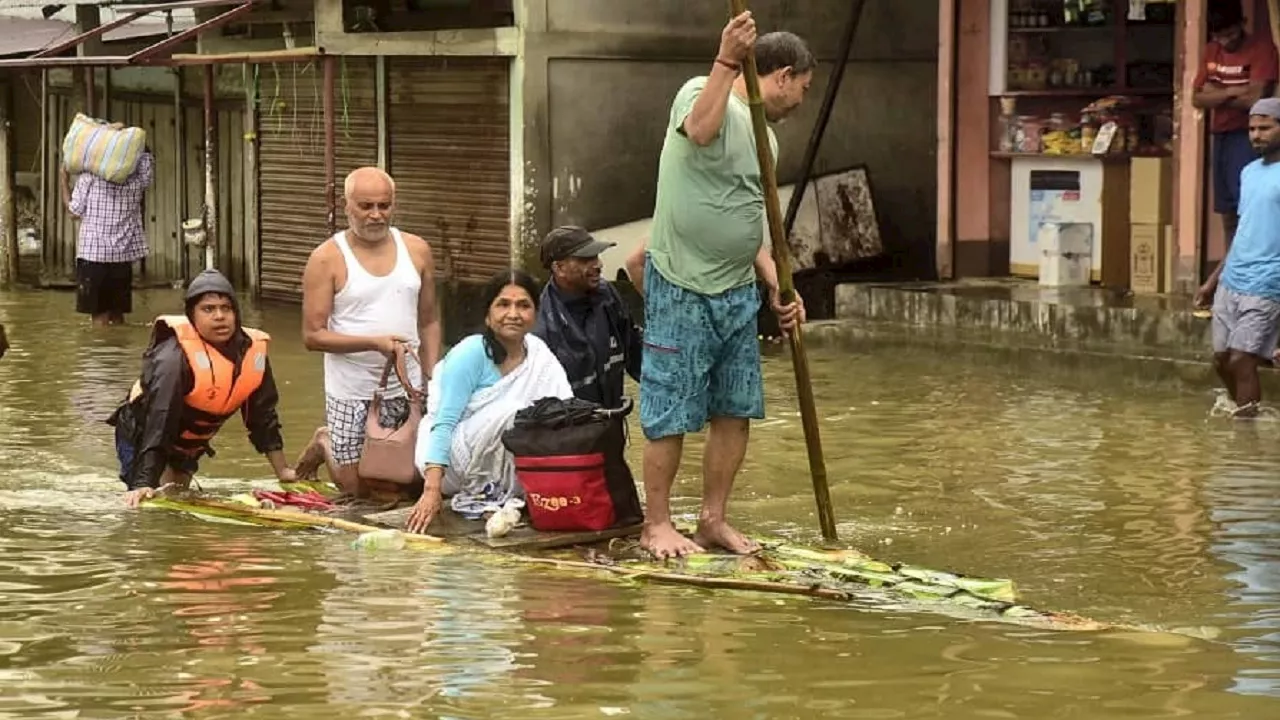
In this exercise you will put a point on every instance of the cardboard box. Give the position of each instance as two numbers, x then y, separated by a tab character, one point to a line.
1150	190
1146	258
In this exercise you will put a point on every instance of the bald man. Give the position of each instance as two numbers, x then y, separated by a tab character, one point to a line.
365	292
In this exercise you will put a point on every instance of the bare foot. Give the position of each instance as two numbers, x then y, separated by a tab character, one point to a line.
664	541
313	455
720	534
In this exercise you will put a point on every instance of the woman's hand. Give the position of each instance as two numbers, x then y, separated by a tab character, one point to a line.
424	511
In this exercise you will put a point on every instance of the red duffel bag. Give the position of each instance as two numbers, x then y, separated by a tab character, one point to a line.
566	493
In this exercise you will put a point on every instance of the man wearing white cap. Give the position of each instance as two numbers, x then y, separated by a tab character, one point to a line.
1246	304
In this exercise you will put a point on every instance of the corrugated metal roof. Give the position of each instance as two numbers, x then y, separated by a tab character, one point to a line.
5	4
22	36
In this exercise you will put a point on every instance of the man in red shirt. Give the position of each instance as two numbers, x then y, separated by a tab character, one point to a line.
1238	69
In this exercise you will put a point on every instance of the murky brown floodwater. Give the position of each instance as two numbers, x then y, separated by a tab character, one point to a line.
1099	492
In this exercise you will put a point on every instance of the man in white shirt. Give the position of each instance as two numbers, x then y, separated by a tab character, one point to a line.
366	291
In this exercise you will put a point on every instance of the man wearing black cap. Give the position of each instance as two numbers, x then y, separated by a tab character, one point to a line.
584	321
586	324
199	369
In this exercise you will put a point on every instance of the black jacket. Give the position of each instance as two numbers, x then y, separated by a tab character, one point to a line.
594	338
153	422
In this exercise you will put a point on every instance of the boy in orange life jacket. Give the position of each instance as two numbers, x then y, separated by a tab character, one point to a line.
199	370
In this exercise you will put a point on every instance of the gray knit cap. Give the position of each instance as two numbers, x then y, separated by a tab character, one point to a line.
1268	106
211	281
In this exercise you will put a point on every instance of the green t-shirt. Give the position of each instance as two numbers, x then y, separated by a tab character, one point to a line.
708	221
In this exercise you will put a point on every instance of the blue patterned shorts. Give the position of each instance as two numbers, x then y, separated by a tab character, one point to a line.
701	357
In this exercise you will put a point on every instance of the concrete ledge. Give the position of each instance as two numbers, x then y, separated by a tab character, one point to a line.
1024	314
1071	364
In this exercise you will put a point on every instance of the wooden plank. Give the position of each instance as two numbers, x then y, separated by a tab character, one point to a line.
451	525
1189	149
945	230
526	538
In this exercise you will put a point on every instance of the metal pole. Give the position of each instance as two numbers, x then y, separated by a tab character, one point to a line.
48	166
180	162
180	159
330	181
8	201
824	114
210	172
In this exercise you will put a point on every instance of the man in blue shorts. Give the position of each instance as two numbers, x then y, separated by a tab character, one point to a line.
701	353
1246	307
1237	70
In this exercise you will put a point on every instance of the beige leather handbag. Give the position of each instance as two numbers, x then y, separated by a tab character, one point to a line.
388	453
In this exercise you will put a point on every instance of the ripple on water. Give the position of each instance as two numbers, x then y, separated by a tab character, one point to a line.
1098	493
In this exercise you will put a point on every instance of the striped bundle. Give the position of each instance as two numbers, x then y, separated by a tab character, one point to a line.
95	147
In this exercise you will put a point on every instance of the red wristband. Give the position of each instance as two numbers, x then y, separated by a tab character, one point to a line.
732	66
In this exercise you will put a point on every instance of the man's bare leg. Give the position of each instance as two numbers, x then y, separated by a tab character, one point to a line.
316	453
347	478
1228	377
660	537
721	460
1248	388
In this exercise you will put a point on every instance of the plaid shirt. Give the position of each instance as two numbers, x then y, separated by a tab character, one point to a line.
111	215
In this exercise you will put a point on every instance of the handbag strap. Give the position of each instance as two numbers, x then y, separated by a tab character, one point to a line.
396	360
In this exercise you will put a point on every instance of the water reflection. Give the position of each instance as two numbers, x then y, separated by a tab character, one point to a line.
1246	515
1098	491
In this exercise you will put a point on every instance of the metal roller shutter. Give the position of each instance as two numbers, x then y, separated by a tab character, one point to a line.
449	153
291	205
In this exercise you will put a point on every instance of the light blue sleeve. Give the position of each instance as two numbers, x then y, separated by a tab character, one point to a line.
466	369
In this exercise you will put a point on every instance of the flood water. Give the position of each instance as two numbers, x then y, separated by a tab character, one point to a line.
1099	492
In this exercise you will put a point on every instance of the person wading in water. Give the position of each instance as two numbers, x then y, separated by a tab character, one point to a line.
199	370
1246	306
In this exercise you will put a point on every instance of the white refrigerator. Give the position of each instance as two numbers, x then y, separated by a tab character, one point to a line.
1054	192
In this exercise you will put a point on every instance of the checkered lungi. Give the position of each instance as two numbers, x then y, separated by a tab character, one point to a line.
346	421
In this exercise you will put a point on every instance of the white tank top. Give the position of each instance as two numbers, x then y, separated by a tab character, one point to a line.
372	305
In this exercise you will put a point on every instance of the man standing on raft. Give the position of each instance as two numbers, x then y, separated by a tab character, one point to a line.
701	352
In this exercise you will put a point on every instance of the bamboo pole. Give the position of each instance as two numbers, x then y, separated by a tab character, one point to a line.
299	518
786	289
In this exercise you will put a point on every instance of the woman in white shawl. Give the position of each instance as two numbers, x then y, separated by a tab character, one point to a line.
473	397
